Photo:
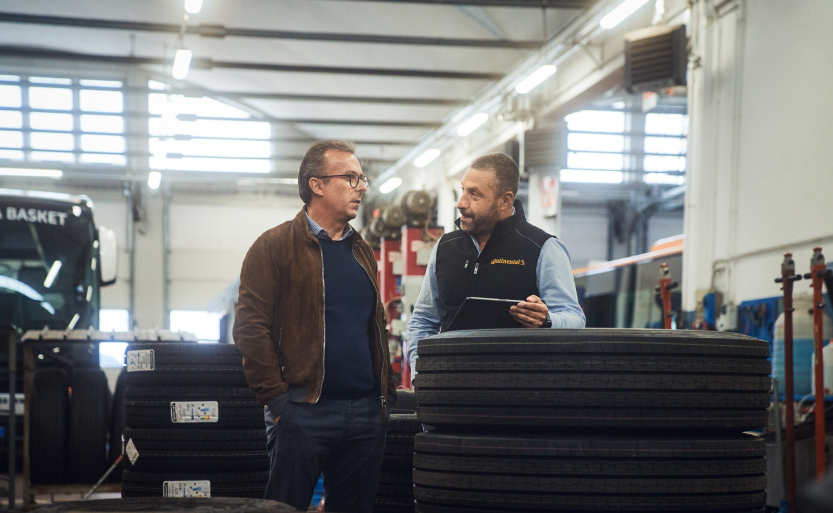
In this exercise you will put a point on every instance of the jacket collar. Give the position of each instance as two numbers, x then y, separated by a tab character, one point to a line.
301	231
508	224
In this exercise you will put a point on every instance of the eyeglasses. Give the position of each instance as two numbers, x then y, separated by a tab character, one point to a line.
353	178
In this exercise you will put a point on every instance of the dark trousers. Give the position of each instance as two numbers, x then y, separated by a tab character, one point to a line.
343	439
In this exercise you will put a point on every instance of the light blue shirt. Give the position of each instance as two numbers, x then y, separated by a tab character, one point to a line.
320	232
557	288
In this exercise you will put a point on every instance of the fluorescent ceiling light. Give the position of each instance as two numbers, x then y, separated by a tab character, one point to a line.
34	173
182	61
390	185
154	179
471	124
427	157
53	273
531	82
625	9
193	6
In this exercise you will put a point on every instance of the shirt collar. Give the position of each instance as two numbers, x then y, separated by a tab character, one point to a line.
321	233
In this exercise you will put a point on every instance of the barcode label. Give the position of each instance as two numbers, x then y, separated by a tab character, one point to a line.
186	489
192	412
138	361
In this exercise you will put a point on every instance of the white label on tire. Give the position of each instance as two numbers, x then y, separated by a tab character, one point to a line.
193	412
186	489
138	361
132	453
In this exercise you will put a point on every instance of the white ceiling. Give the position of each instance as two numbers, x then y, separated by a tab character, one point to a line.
340	16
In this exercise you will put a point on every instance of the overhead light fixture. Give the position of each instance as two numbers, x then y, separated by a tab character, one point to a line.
52	274
193	6
182	61
390	185
531	82
426	157
471	124
32	173
617	15
154	179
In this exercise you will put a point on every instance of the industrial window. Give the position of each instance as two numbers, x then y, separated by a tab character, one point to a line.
593	156
111	354
203	134
601	149
48	119
205	325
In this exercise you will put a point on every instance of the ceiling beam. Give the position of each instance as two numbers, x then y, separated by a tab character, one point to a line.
208	64
532	4
223	31
184	137
196	92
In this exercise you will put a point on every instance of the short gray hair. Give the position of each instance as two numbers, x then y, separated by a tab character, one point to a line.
507	175
313	164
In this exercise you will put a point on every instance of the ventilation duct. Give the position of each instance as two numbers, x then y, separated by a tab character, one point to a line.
655	58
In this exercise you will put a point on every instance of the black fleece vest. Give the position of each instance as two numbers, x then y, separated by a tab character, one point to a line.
505	269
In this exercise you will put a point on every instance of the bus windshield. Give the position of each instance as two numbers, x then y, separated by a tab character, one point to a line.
47	269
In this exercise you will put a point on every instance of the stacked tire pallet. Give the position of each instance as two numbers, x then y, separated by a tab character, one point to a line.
68	430
194	423
591	420
395	492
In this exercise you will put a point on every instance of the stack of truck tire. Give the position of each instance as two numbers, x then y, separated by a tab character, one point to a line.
69	424
591	420
193	426
395	492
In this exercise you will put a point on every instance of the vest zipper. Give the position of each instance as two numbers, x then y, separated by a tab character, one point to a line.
475	267
382	381
467	265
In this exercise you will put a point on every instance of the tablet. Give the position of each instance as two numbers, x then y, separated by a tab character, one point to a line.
480	313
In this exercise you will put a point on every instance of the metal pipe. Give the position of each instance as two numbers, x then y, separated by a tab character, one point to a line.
28	386
787	278
208	64
211	30
12	434
818	268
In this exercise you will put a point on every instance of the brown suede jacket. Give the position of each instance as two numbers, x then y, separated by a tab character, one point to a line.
279	326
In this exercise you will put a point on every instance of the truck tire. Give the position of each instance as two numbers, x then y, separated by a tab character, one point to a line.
150	407
405	403
209	450
194	505
593	378
399	445
48	421
188	364
590	473
88	425
238	484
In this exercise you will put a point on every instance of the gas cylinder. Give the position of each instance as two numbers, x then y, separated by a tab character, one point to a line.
827	357
802	345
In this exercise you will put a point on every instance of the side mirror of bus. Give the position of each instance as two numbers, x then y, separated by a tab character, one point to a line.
108	251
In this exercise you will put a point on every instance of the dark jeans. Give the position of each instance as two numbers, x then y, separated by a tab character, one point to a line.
343	439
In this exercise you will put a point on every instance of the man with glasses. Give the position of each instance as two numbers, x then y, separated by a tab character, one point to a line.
312	330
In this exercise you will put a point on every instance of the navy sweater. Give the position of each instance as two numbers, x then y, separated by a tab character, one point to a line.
349	298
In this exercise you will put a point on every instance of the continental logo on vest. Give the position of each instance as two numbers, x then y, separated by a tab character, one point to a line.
504	261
